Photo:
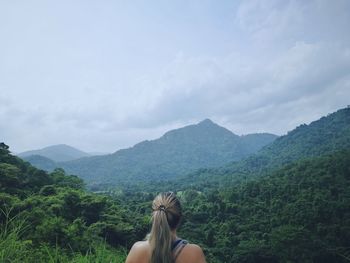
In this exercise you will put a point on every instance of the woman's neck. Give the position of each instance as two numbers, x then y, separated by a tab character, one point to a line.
173	234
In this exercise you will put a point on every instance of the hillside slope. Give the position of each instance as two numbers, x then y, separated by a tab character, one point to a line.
324	136
51	218
41	162
57	153
177	152
298	213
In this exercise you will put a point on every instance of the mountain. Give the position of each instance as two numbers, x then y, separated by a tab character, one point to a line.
177	152
256	141
324	136
57	153
41	162
328	134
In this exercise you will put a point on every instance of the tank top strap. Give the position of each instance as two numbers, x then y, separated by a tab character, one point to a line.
178	246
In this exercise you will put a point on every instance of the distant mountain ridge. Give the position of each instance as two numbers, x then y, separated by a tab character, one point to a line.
41	162
327	135
177	152
56	153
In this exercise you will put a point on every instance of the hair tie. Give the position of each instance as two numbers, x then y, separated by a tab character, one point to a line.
161	208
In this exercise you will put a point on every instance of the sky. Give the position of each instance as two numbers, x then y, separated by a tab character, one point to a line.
105	75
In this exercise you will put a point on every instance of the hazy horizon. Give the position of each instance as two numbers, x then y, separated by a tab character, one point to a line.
101	153
105	76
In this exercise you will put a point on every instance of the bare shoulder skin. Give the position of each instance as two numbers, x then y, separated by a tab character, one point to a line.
141	253
191	253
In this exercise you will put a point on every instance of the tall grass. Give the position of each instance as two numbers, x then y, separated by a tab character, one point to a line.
14	249
101	254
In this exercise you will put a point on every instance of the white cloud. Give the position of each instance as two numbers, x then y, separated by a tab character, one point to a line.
196	88
122	78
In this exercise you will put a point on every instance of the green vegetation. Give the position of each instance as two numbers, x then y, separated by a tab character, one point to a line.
288	203
41	162
51	218
176	153
326	135
300	213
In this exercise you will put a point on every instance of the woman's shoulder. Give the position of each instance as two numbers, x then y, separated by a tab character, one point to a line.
193	249
140	252
191	253
141	245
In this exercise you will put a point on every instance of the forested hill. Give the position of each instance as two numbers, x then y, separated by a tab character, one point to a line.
41	162
56	153
51	218
177	152
299	213
324	136
328	134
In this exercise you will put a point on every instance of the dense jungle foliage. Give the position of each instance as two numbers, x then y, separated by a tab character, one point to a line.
287	209
51	218
299	213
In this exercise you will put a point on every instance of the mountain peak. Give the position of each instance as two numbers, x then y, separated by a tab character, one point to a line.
176	153
206	122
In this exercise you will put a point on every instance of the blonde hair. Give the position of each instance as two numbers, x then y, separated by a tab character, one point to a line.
165	218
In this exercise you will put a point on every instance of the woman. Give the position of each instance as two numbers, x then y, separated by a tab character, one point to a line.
162	244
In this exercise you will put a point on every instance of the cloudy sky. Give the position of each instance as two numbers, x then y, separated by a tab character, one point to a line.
104	75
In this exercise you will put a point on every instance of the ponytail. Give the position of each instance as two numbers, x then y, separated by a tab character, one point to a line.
165	218
160	239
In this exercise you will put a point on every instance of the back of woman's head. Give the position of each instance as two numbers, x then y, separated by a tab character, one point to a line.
165	218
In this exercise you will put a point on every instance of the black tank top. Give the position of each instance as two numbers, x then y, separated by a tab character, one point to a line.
177	247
